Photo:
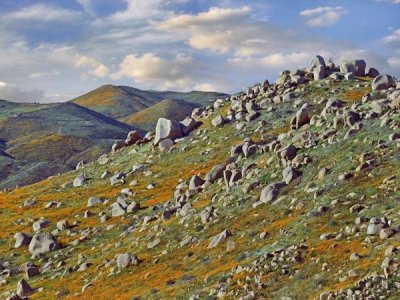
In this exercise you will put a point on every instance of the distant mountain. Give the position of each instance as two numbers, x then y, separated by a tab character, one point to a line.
122	101
39	140
170	109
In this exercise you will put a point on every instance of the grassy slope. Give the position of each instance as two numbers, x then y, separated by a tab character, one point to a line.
184	271
170	109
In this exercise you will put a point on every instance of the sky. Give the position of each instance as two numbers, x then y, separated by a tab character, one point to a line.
55	50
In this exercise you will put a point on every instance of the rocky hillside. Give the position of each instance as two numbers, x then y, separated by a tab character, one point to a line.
122	101
287	191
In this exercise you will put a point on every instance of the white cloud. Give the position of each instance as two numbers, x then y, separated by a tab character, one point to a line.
41	13
95	67
13	93
152	69
393	39
394	62
323	16
391	1
234	29
87	5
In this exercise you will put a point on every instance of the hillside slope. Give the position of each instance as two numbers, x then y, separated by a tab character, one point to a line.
170	109
121	101
290	191
42	140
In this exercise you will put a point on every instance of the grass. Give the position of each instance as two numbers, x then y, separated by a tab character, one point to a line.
181	272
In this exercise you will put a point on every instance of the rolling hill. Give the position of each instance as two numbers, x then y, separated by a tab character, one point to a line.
122	101
41	140
170	109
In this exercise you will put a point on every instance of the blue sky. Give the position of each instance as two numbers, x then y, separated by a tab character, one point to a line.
54	50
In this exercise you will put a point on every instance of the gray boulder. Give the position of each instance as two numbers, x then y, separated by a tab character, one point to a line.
43	243
79	180
289	174
132	138
189	124
166	145
271	192
93	201
382	82
24	289
126	259
118	145
215	173
21	239
219	238
195	182
40	224
357	67
117	210
317	67
218	121
373	73
167	129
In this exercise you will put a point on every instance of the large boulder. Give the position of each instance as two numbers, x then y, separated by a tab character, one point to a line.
301	118
79	180
43	243
195	182
189	124
21	239
271	192
215	173
167	129
382	82
24	289
218	121
219	238
126	259
166	145
132	138
357	67
289	174
118	145
317	67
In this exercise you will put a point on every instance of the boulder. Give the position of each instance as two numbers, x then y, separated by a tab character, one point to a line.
301	118
117	146
382	82
357	67
62	225
126	259
215	173
189	124
218	121
43	243
21	239
93	201
79	180
167	129
132	138
219	238
117	210
289	174
166	145
317	67
271	192
24	289
40	224
195	182
373	73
